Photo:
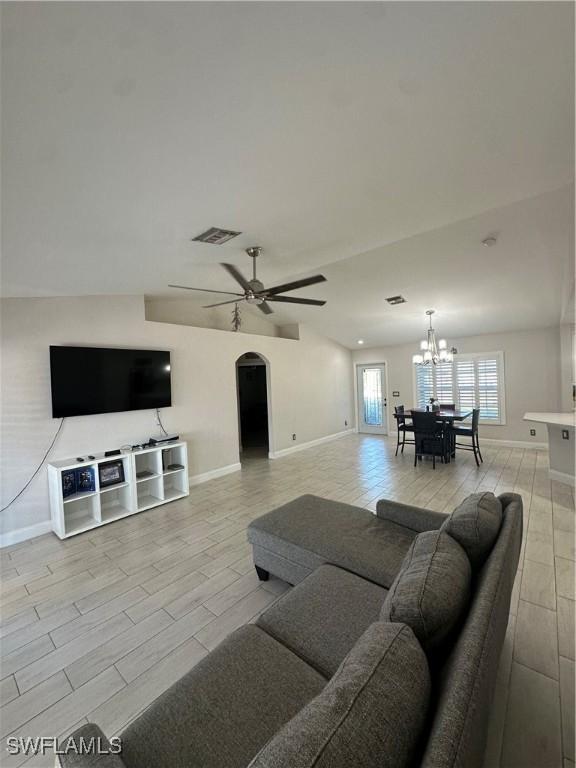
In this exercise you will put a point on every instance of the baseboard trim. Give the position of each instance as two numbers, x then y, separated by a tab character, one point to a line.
503	443
310	444
23	534
212	474
562	477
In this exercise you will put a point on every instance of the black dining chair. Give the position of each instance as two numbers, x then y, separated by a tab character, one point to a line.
403	427
472	432
429	439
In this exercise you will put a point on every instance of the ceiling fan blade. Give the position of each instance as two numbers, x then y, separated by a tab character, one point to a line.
296	284
237	275
221	303
294	300
204	290
266	308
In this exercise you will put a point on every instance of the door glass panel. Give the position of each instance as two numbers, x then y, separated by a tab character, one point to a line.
372	396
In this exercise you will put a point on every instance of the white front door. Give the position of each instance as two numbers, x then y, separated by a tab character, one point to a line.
372	399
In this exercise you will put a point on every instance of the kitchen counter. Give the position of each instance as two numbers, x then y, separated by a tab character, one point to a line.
561	433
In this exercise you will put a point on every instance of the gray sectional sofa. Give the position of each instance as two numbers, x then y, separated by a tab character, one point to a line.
383	655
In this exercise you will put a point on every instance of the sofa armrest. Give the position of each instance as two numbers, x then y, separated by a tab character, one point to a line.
88	747
415	518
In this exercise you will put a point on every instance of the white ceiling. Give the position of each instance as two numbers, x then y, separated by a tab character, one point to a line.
380	142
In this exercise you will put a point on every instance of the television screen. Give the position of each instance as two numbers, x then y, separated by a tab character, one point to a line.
88	380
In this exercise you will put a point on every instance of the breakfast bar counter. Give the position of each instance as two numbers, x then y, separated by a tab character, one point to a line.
560	443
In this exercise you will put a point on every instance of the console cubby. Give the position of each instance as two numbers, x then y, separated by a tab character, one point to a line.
115	502
148	464
149	492
81	512
175	484
148	482
173	459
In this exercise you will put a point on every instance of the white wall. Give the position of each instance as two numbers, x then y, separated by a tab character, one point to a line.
311	387
531	369
185	311
567	365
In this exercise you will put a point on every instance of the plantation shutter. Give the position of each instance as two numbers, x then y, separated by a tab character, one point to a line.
488	386
471	381
466	378
444	389
424	385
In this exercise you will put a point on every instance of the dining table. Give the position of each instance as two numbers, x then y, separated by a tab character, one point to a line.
448	416
442	415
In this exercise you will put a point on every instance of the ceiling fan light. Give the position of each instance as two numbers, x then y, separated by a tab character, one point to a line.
417	359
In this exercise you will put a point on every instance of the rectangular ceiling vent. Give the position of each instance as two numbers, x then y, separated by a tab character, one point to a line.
216	236
396	300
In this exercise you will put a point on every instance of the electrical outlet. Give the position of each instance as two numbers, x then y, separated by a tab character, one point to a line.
565	434
294	436
395	393
533	433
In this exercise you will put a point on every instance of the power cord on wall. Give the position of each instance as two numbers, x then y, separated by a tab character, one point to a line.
39	467
159	422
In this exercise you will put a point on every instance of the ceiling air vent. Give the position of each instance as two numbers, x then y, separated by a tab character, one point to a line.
396	300
216	236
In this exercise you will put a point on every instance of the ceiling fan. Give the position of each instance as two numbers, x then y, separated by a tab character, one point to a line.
254	291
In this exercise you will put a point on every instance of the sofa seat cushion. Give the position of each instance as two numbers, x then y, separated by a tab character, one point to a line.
370	715
475	524
432	590
322	618
225	709
310	531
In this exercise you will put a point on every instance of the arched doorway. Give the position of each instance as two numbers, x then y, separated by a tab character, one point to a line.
253	384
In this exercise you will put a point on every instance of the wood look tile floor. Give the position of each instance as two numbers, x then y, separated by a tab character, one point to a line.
96	627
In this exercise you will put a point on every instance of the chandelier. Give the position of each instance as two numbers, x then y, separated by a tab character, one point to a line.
432	351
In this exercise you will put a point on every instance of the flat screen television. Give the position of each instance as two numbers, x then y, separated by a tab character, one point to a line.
89	380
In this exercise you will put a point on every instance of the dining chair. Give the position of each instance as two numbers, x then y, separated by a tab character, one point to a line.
471	432
429	437
402	428
447	406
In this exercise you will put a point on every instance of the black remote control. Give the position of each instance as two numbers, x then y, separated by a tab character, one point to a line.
91	457
79	458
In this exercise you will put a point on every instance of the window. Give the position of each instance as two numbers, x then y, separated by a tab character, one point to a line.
471	381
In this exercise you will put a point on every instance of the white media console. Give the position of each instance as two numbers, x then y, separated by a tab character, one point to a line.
148	482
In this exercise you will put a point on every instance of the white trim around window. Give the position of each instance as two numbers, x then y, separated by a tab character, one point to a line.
472	380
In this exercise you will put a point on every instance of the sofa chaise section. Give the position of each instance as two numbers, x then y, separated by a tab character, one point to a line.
295	539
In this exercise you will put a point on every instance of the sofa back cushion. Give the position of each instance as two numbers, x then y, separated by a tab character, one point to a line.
431	592
464	689
475	524
371	713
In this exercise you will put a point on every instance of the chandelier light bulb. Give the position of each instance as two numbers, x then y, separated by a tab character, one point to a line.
442	344
427	356
417	359
423	345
